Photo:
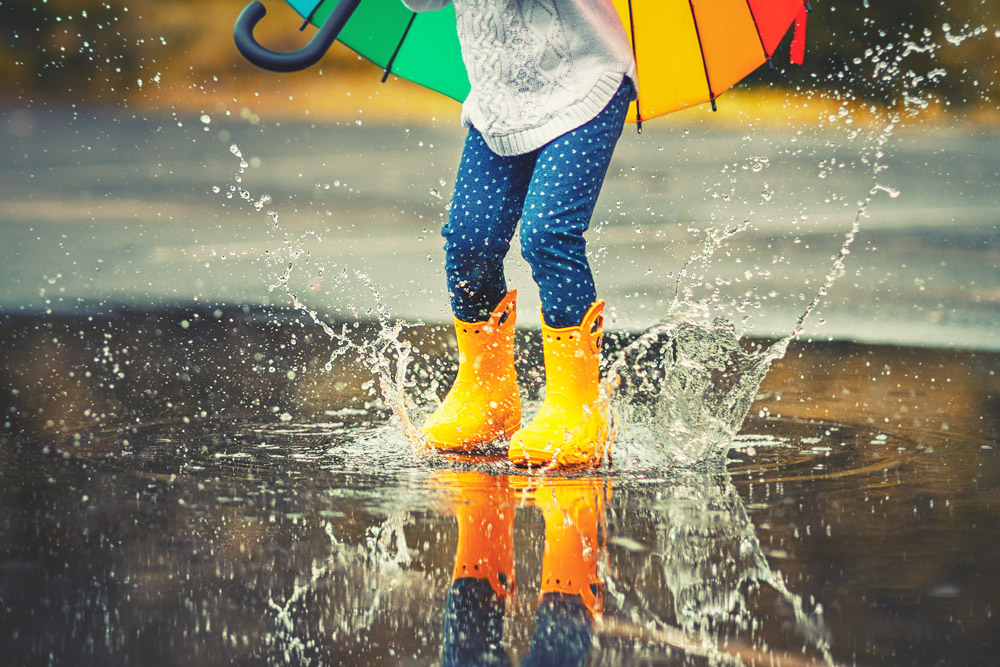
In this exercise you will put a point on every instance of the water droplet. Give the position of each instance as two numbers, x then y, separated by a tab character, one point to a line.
892	192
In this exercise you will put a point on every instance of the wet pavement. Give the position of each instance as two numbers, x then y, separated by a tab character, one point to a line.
109	208
194	486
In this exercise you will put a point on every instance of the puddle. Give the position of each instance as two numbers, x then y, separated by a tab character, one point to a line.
190	486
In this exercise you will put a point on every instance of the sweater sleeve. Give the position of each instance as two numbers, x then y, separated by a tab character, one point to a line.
425	5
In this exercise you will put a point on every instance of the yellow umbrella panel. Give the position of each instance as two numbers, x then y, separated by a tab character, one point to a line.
689	51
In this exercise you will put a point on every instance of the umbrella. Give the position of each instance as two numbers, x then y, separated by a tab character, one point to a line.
422	48
687	51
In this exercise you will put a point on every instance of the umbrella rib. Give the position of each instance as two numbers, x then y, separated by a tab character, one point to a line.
635	57
759	36
704	63
309	18
392	58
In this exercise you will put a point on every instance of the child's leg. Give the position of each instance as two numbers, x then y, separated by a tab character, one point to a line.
483	405
485	208
561	197
570	428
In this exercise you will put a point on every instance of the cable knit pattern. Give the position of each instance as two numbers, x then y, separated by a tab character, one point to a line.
537	68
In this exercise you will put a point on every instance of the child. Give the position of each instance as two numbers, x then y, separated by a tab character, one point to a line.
551	81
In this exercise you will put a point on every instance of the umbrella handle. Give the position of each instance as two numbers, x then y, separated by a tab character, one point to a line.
291	61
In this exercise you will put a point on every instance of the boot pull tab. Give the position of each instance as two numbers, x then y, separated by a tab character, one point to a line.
506	309
593	325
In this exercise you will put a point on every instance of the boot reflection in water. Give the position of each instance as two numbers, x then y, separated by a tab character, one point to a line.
483	577
572	596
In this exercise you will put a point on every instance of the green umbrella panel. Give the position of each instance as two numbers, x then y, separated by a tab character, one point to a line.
422	48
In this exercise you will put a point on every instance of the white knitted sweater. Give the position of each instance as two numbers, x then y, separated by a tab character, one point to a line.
538	68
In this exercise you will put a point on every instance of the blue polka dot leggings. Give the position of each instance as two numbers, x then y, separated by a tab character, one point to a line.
552	191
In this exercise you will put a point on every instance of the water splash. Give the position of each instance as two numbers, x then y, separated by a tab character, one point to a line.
683	391
386	356
684	387
711	565
355	575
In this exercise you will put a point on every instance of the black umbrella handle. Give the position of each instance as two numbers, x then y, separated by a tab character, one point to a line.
292	61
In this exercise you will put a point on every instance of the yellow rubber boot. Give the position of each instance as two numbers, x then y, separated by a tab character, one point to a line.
574	518
571	427
483	405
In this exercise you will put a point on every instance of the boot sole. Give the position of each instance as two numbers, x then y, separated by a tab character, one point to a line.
471	447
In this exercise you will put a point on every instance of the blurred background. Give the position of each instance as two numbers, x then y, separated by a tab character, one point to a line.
178	54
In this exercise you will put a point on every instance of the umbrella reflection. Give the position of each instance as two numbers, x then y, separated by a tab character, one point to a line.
483	578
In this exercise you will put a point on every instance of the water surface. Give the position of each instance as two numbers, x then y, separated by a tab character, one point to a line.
195	487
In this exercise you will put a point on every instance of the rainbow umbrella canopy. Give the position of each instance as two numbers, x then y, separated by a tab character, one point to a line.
687	51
